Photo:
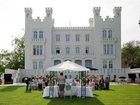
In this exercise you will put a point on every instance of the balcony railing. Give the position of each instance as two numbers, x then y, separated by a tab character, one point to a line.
109	39
39	40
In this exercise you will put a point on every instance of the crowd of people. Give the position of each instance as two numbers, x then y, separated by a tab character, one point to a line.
98	82
40	82
36	82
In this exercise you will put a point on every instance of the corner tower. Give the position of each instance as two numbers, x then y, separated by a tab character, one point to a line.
96	11
117	11
49	12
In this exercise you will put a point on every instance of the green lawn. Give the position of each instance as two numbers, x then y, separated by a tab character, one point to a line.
117	95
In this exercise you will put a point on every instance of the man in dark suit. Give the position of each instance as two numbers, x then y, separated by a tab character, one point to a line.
28	81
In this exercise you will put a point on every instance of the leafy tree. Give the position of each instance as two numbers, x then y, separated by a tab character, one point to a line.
15	58
18	55
131	54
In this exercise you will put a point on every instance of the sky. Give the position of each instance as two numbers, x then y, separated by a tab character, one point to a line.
66	13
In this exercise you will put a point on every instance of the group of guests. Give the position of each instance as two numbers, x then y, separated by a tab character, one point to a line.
98	82
40	82
91	81
36	82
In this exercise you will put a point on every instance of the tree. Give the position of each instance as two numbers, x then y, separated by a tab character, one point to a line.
4	59
131	54
15	58
18	55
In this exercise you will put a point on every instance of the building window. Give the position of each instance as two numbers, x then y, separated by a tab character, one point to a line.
104	64
108	49
37	49
77	37
40	65
34	50
87	50
110	64
41	49
87	37
111	49
57	37
108	46
40	34
79	62
104	34
34	65
77	50
88	63
67	37
67	50
35	35
57	50
104	49
110	34
57	62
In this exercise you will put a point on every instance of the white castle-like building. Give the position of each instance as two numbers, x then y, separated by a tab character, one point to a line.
97	46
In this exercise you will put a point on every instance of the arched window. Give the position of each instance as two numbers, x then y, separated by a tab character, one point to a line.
88	63
104	64
41	34
57	62
78	62
110	64
57	50
104	34
35	35
110	34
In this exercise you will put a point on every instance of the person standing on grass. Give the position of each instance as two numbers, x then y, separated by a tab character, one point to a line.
27	83
61	83
101	83
107	83
30	84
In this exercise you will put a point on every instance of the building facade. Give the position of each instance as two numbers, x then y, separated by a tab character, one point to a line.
97	46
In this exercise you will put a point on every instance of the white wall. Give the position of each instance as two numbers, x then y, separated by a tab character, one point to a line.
94	30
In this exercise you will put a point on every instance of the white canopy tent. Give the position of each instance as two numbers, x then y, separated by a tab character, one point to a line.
67	66
72	67
136	70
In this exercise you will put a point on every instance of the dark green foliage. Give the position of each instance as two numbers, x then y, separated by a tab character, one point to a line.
13	59
131	54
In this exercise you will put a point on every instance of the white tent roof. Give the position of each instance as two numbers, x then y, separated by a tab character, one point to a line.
136	70
67	66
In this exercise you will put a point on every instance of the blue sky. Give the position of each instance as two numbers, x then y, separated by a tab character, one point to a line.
76	12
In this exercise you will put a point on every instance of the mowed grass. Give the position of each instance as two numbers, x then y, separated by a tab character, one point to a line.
117	95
